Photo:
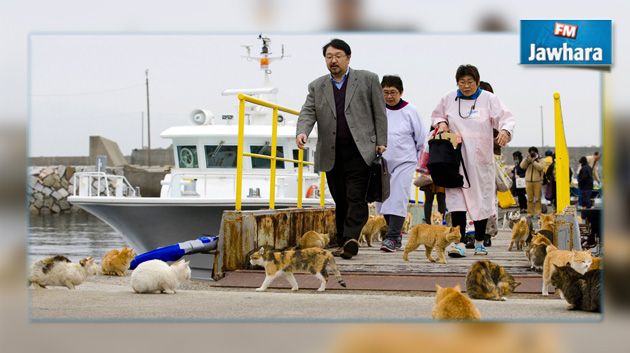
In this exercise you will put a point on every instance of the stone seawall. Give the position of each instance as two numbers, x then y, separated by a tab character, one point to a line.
49	187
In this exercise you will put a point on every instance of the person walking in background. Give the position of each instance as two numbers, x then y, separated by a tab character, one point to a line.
518	182
585	183
550	177
349	109
406	135
472	113
592	162
534	168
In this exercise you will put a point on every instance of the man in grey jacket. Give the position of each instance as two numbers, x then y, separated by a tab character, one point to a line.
349	109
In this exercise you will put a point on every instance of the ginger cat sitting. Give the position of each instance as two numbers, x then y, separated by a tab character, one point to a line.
578	260
431	236
520	231
116	262
451	304
547	222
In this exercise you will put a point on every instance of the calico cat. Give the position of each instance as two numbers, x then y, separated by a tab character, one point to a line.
540	239
520	231
530	233
582	292
157	276
436	218
578	260
60	271
312	239
285	263
116	262
536	255
512	218
451	304
375	226
537	251
487	280
431	236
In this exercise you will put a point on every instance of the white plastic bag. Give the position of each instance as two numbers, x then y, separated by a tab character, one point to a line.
503	181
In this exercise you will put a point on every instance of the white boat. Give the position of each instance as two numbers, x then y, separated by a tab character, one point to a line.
202	183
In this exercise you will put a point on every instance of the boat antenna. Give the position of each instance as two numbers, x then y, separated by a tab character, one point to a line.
265	57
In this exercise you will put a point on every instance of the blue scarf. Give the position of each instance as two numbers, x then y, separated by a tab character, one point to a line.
475	95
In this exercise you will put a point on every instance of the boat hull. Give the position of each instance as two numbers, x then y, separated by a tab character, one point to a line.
149	223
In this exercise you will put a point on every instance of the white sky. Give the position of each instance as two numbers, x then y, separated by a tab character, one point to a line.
84	85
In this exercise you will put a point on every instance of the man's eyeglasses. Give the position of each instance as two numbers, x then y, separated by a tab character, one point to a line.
337	56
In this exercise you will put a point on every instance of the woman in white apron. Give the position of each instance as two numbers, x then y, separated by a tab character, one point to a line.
472	113
405	137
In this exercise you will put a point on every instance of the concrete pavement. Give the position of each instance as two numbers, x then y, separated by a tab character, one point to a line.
111	298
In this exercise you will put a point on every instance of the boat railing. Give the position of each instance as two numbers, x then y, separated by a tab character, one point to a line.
83	182
243	98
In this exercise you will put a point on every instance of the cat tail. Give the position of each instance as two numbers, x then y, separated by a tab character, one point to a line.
335	270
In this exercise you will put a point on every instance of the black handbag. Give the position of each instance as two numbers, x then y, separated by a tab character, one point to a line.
444	162
378	182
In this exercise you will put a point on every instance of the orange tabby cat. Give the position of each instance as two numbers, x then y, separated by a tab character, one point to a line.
436	218
408	223
312	239
547	222
579	261
451	304
116	262
597	263
375	225
519	234
431	236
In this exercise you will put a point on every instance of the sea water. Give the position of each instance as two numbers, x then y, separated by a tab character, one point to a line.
74	235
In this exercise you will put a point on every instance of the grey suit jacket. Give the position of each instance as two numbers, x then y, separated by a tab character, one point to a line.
364	110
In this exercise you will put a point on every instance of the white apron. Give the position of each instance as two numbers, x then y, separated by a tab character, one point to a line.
477	149
405	137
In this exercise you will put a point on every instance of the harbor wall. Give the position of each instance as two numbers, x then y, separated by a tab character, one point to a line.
48	188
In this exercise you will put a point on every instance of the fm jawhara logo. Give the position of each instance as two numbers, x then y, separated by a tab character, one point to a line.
566	42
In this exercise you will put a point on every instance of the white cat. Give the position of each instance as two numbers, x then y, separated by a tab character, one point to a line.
157	276
60	271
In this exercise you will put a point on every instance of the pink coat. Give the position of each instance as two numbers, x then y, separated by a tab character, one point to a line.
477	149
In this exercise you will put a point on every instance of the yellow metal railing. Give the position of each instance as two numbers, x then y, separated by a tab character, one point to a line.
563	195
273	158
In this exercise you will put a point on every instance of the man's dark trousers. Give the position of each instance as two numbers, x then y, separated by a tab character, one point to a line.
347	182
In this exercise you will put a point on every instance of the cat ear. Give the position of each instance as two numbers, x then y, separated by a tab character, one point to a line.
568	263
457	288
437	286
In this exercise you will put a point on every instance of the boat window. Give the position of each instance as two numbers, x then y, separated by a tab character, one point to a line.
266	150
220	156
187	156
295	156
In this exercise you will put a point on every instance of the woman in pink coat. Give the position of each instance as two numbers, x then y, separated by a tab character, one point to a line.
472	113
